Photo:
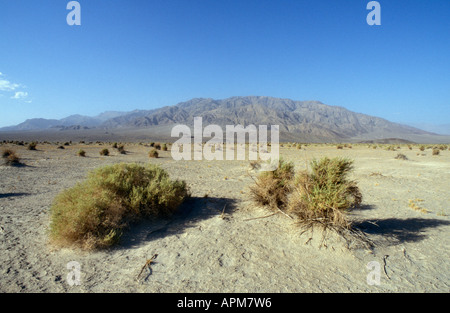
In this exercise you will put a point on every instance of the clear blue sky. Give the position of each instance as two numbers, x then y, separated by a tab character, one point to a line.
143	54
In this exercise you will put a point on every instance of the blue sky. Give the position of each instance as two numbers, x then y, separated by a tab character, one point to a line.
143	54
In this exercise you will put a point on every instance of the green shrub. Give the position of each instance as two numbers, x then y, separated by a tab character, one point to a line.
94	213
324	195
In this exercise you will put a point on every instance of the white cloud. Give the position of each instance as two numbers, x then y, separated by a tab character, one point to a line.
6	85
20	95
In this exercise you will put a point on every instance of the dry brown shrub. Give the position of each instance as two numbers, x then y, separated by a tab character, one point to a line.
153	153
272	188
319	197
10	157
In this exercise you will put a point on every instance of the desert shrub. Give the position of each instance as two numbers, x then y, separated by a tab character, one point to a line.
104	152
324	195
390	148
81	153
7	152
32	146
164	147
121	149
153	153
435	151
272	188
60	147
401	156
114	145
94	213
422	148
340	147
10	157
157	146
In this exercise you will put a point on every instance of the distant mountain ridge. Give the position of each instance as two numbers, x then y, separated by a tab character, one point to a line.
70	121
303	120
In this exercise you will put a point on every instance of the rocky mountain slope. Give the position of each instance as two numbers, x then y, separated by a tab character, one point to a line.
298	120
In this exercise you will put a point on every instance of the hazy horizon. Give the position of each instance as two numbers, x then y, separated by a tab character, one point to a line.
149	54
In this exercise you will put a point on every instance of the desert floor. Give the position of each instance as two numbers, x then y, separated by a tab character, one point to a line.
221	242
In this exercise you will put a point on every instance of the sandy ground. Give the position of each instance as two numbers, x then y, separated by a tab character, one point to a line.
217	245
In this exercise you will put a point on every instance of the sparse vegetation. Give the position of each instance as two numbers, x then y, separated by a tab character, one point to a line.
401	156
81	153
153	153
94	213
32	146
121	149
321	197
272	188
104	152
413	205
7	152
390	148
10	157
324	195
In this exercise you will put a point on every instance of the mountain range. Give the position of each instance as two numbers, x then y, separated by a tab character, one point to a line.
310	121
